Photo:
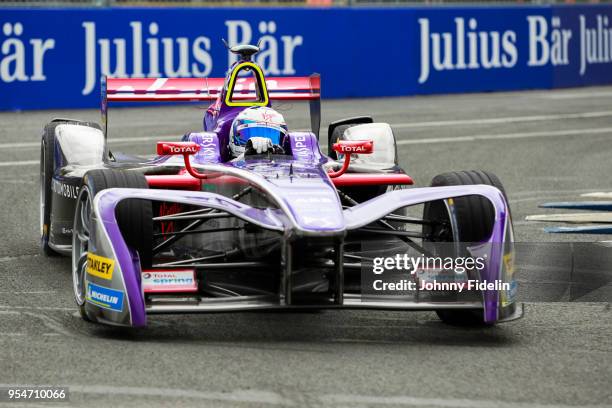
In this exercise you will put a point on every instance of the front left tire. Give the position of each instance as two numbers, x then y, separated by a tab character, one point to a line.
134	218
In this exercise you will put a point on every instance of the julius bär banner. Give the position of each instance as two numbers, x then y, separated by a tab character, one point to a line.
54	58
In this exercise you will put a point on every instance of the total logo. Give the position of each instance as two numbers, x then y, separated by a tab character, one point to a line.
169	281
354	146
165	148
182	149
353	149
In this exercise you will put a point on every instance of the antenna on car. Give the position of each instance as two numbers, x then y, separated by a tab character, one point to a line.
245	51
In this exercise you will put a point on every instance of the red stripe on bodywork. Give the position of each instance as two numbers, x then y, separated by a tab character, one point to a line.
187	182
355	179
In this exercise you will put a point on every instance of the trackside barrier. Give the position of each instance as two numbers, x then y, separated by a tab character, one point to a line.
54	58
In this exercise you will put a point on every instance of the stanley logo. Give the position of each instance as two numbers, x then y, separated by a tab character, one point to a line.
100	266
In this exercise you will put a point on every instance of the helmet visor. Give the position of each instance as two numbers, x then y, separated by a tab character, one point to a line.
248	130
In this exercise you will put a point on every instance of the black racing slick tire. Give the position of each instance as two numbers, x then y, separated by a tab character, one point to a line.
47	168
47	147
134	217
474	217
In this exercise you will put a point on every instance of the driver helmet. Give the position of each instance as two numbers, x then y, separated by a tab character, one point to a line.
256	121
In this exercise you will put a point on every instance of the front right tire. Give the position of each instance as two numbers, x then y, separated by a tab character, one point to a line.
475	218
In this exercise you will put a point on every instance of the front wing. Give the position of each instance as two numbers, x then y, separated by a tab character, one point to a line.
119	299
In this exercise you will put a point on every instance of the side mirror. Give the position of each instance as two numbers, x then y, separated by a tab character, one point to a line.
184	149
354	146
348	147
174	148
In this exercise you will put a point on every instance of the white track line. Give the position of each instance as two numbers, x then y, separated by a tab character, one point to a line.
509	119
43	308
20	163
364	400
522	135
433	140
598	194
29	292
50	323
442	123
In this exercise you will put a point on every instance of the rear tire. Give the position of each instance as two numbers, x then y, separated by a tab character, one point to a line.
134	218
475	219
47	168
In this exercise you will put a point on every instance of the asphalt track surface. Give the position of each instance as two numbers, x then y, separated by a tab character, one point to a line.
545	146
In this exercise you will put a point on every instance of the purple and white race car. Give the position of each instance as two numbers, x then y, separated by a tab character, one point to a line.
194	229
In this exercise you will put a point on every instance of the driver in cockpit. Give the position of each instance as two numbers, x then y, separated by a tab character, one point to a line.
257	130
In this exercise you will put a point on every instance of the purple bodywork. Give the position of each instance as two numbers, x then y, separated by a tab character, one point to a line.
307	205
338	223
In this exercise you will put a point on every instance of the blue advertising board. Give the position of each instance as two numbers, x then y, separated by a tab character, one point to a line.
54	58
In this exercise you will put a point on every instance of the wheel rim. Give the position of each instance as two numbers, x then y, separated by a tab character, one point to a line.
43	190
80	244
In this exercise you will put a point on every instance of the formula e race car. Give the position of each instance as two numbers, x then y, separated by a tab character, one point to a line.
193	229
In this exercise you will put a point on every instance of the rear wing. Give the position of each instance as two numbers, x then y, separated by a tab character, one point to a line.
208	89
